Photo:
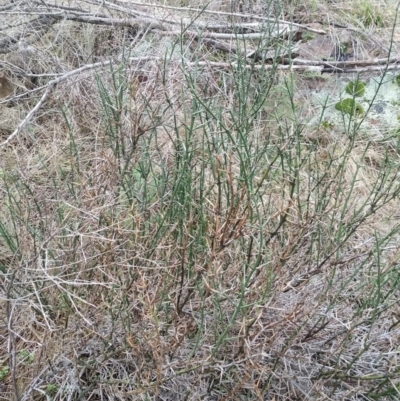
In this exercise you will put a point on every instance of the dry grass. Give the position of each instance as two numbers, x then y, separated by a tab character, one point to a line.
176	232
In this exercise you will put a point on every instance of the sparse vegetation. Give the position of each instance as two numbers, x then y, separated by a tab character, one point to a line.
173	227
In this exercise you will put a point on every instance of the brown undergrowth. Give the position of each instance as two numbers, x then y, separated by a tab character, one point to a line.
175	231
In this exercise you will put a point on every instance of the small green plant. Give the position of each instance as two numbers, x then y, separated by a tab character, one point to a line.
4	371
327	125
369	16
398	80
26	357
307	36
343	48
51	389
355	88
349	106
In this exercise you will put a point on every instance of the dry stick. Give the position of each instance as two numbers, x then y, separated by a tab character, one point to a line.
12	349
151	24
349	66
312	68
41	3
31	113
275	54
154	23
51	84
97	20
121	22
231	36
208	25
198	10
309	65
353	63
255	26
134	11
23	94
219	45
362	69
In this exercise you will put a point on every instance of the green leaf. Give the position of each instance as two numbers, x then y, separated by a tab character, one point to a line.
355	88
349	106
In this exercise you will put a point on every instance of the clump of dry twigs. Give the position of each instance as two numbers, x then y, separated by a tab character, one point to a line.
170	227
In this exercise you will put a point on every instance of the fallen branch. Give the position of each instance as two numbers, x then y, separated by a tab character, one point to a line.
231	36
231	14
362	69
346	64
283	67
217	45
318	68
